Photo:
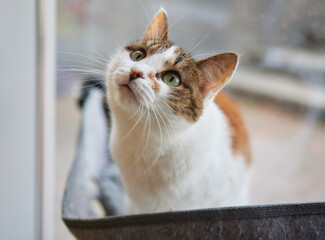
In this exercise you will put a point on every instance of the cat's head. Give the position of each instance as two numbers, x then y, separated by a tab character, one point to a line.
157	75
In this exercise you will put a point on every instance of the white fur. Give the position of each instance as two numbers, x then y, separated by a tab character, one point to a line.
170	163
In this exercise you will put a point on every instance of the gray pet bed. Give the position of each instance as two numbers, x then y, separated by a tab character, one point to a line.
95	176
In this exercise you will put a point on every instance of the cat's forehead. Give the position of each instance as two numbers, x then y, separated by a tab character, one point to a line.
151	47
178	59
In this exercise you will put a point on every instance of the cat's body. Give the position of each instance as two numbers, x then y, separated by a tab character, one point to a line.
177	145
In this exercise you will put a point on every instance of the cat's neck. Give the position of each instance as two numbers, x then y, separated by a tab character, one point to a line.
154	128
158	133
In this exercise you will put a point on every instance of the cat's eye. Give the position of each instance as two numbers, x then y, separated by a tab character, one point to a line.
137	55
171	79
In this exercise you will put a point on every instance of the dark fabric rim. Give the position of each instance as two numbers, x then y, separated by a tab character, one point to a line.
215	214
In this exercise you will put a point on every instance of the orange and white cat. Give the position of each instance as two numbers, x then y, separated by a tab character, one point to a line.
178	141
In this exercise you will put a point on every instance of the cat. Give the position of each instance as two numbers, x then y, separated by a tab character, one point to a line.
178	141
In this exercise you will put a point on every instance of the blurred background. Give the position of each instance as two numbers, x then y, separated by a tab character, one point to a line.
279	84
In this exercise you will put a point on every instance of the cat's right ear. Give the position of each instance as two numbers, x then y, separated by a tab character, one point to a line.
217	71
158	28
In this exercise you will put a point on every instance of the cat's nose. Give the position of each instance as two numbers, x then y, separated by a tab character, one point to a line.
134	74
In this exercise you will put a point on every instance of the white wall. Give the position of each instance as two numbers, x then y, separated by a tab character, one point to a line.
18	79
22	136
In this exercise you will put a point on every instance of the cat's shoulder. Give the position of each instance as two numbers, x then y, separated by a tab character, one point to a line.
240	137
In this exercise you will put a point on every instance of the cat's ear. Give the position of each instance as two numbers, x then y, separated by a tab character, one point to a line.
158	28
217	71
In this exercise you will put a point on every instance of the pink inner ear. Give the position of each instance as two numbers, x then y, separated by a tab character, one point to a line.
217	71
158	28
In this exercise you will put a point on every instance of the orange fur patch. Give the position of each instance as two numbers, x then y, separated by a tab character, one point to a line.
155	85
240	138
158	28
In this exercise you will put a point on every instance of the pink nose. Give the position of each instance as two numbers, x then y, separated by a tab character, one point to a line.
134	74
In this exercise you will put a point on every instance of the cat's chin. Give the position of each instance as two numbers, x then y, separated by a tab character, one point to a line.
126	98
126	90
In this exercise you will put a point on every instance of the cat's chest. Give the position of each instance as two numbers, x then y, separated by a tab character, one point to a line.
206	143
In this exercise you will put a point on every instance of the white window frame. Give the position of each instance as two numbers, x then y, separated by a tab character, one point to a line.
27	126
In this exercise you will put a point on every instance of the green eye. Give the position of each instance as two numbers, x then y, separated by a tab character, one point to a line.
171	79
137	55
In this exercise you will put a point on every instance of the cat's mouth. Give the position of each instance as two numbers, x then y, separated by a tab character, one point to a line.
127	86
136	92
130	90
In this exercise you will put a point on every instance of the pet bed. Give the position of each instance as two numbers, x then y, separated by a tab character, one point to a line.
95	176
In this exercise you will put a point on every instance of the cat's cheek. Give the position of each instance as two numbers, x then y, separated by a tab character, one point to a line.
121	77
164	92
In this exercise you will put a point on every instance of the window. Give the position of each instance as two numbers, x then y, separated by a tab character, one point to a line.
279	84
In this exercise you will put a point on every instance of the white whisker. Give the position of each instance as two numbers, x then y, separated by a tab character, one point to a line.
78	74
84	56
135	124
145	10
82	63
171	26
206	35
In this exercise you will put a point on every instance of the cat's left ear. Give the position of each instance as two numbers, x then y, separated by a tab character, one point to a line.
158	28
217	71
